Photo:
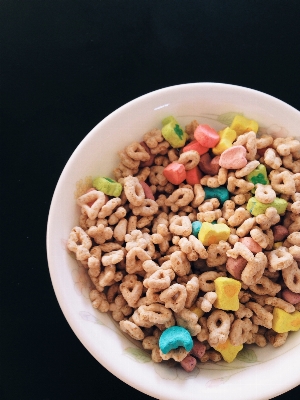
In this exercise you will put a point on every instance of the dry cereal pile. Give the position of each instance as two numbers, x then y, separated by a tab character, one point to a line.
194	248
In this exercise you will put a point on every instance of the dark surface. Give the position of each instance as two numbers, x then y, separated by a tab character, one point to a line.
65	65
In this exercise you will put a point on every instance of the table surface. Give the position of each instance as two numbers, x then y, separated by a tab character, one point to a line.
65	65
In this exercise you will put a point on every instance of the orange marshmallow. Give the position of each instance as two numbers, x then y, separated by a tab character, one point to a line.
193	176
195	145
175	173
206	136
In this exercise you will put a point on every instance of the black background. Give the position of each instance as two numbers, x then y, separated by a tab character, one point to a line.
65	65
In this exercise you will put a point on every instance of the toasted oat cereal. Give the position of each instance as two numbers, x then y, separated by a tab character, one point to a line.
142	248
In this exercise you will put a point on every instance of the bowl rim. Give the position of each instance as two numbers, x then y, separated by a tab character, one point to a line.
51	220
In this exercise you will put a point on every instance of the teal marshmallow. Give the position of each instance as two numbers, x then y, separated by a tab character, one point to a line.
196	226
108	186
174	337
221	193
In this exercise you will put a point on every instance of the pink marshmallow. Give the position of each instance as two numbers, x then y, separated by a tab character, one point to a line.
188	363
235	266
251	244
290	296
147	190
233	158
280	232
198	349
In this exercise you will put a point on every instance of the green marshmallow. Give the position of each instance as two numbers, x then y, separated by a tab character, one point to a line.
259	175
173	133
221	193
255	207
108	186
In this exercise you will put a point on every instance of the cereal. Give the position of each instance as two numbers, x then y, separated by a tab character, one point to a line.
197	241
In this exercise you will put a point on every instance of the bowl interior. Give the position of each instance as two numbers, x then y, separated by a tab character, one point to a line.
251	375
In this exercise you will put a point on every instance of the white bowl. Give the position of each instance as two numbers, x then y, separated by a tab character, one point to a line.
258	373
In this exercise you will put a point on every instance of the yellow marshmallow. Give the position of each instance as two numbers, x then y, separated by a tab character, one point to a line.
227	136
228	351
285	322
173	133
277	244
213	233
242	125
227	290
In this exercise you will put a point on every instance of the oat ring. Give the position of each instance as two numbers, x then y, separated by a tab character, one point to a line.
264	193
134	191
155	313
218	324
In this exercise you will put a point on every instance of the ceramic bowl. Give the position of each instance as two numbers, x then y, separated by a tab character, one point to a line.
257	373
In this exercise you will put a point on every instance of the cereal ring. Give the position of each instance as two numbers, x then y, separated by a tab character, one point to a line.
252	273
155	313
113	257
181	226
248	140
131	289
127	161
206	280
132	329
218	324
264	141
269	218
179	263
174	297
263	317
80	243
280	303
217	254
272	159
238	186
240	173
264	286
91	203
99	301
280	259
179	198
240	249
264	193
240	215
137	152
160	279
259	237
134	260
189	159
239	331
148	208
188	320
291	277
192	290
283	182
153	138
134	191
